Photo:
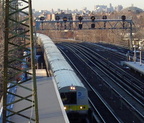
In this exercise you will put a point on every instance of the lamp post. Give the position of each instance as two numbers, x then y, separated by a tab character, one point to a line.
134	57
140	48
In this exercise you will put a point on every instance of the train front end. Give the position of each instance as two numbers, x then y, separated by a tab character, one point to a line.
73	93
75	99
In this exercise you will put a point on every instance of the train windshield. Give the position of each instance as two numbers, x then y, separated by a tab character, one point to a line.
69	98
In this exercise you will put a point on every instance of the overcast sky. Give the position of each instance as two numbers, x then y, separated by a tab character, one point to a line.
79	4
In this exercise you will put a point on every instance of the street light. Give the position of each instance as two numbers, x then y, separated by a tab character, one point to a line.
134	57
140	48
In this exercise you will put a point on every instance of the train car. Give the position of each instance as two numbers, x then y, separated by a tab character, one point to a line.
73	93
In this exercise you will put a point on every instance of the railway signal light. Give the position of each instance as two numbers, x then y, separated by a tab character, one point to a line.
92	18
65	19
93	25
80	25
42	18
80	18
104	17
57	18
123	17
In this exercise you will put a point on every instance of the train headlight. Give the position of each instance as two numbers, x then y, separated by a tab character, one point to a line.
81	107
72	88
65	107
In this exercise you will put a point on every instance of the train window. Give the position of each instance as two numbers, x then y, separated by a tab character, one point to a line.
69	98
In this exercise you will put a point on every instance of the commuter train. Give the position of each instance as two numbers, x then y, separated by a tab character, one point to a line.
73	93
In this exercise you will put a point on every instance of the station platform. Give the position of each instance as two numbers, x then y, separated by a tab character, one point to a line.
50	106
136	66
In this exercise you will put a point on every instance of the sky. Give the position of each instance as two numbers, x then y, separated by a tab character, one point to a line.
79	4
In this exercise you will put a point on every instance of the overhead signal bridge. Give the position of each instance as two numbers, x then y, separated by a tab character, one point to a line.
66	24
81	24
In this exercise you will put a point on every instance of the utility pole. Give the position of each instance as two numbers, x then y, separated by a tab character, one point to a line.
18	38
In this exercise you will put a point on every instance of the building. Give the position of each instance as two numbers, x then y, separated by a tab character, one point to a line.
100	8
132	9
118	8
61	16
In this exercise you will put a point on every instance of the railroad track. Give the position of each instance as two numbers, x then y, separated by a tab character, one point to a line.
118	91
119	54
134	84
119	50
101	117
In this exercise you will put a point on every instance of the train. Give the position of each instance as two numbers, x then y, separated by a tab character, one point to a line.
73	93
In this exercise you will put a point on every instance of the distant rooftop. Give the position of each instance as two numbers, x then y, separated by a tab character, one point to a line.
133	9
